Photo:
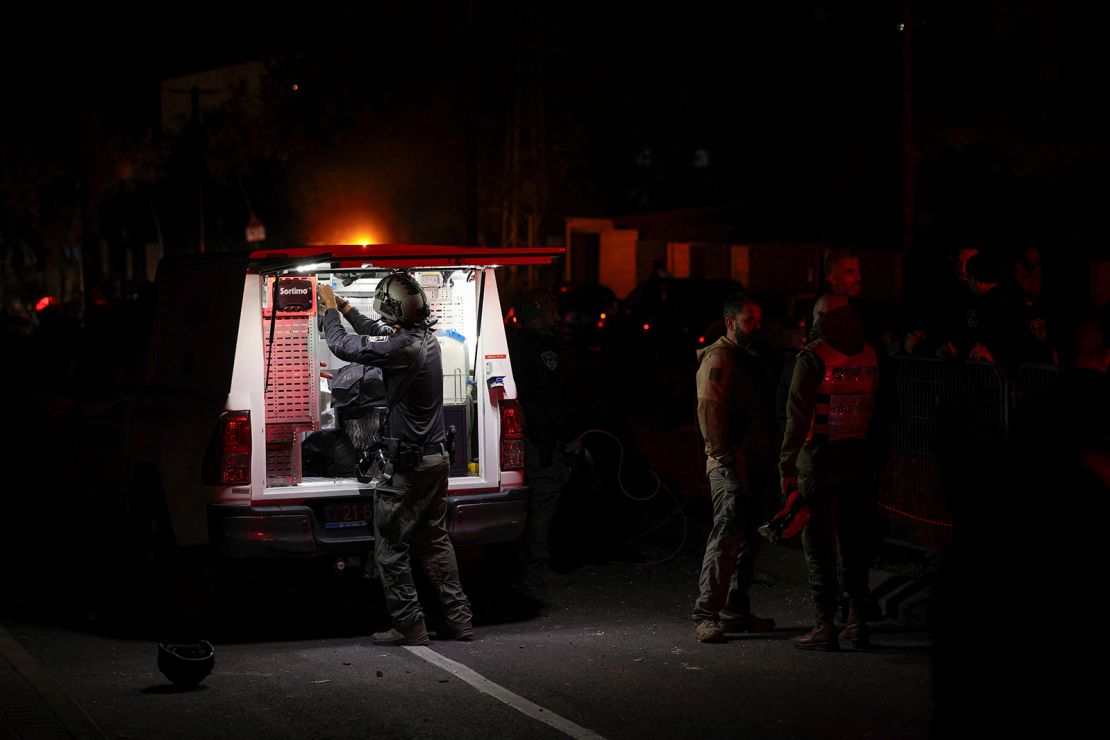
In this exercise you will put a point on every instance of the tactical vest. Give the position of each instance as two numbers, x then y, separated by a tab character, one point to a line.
845	394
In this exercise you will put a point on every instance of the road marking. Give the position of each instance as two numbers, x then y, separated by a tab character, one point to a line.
50	702
519	703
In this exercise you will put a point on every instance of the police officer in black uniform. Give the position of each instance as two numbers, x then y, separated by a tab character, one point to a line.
410	505
536	366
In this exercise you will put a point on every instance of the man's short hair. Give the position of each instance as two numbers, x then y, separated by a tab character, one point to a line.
963	245
836	255
734	304
828	302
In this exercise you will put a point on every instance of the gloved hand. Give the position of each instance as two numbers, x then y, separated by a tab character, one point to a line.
326	295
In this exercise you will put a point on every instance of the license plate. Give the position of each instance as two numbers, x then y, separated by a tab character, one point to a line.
348	514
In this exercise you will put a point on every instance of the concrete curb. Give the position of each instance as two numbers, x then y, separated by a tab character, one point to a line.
32	705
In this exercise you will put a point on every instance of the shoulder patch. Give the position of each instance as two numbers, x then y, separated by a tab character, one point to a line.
713	378
375	338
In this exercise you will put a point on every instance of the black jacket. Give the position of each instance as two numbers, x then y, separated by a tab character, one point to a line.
418	414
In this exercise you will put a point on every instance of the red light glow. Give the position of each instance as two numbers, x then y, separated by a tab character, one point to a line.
44	302
647	327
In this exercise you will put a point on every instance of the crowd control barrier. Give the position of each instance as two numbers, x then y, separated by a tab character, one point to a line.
947	430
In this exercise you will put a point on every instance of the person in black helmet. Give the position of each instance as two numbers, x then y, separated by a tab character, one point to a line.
410	505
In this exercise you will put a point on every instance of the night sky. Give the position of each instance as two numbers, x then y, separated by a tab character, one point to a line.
792	109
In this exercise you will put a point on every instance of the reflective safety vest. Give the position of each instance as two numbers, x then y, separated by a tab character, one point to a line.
845	394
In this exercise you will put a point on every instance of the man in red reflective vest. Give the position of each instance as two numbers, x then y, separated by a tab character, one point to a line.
826	453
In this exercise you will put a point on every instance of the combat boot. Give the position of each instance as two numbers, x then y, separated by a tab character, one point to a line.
463	631
708	631
823	636
414	634
856	632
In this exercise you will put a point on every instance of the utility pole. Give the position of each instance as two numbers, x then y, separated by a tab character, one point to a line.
470	127
198	141
91	131
909	156
194	135
525	177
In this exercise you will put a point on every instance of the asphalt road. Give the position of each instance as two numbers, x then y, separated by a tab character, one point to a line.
612	655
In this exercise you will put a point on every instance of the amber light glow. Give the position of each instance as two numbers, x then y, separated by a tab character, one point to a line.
350	229
363	237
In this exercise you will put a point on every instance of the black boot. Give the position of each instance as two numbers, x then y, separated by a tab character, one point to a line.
413	634
823	636
855	632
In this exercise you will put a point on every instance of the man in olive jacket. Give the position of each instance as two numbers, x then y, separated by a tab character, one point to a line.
732	405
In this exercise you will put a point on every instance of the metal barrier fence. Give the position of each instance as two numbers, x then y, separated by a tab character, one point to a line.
949	425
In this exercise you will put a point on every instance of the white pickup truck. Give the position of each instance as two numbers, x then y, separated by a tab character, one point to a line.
236	380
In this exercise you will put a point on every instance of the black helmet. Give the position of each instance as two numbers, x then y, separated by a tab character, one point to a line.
400	300
186	664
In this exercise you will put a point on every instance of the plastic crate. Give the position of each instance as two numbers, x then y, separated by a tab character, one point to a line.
283	454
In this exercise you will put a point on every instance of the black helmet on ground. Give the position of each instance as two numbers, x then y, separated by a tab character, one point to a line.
400	300
186	664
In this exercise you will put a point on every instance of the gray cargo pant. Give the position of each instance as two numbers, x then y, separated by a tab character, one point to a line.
410	515
727	568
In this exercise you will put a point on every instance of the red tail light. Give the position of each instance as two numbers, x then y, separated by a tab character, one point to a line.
228	462
512	434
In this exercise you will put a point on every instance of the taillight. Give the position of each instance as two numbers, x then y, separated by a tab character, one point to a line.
228	462
512	434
